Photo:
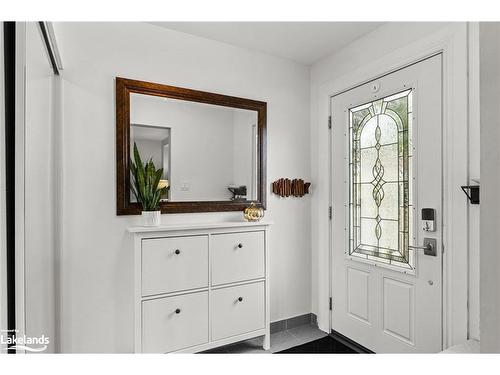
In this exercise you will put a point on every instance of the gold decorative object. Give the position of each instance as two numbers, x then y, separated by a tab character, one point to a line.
285	187
253	213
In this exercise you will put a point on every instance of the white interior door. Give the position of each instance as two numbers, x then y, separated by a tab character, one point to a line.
387	167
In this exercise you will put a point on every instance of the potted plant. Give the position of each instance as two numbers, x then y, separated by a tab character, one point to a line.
146	188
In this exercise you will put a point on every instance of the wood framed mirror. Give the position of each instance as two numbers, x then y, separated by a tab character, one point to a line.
212	147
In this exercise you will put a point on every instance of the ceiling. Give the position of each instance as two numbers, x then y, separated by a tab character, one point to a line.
303	42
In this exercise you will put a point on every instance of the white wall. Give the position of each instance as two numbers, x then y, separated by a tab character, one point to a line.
39	225
96	256
379	49
490	186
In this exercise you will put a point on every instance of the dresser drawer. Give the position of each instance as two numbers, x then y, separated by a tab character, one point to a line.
174	264
237	257
174	323
231	316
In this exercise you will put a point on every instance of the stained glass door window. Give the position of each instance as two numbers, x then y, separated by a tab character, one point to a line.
380	169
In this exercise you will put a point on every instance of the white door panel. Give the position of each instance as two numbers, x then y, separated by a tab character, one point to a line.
358	292
386	167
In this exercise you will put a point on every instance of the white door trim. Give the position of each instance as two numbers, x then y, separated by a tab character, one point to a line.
20	111
452	43
3	203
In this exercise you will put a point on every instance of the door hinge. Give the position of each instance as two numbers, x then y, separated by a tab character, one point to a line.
329	122
330	212
330	303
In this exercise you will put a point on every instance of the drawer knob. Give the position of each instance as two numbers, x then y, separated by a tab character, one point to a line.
240	245
177	252
177	311
240	299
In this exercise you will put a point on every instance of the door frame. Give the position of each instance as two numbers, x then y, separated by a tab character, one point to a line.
451	42
339	131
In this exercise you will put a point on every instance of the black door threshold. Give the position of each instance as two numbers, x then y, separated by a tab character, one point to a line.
350	343
335	343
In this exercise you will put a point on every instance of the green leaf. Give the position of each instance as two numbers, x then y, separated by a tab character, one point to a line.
145	180
157	177
138	161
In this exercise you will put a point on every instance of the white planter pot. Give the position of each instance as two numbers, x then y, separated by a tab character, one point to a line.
151	218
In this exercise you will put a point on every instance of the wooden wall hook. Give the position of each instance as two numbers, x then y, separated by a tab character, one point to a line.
285	187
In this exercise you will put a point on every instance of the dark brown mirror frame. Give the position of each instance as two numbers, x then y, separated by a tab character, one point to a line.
124	87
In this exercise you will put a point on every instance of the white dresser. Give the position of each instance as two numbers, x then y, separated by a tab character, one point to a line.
199	286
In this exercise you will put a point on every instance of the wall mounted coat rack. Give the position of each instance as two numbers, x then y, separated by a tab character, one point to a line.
284	187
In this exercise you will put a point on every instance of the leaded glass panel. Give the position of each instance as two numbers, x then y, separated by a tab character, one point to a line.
380	168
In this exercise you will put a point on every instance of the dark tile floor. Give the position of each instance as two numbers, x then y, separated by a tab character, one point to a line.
301	339
324	345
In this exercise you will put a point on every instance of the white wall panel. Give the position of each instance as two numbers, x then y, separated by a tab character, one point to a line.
490	186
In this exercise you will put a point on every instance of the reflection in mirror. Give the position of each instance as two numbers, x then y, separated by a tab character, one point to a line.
153	143
207	152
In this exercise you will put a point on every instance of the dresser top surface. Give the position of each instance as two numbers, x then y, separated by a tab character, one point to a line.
191	226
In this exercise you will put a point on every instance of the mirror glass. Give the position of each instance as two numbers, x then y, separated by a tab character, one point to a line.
207	152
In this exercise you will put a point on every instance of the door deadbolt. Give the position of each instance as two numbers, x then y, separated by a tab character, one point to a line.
429	219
